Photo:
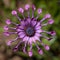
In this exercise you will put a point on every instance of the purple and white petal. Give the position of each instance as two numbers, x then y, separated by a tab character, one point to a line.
39	11
8	22
40	52
39	31
30	53
33	23
27	6
21	10
21	36
47	16
6	28
26	38
38	24
14	12
50	21
47	47
6	34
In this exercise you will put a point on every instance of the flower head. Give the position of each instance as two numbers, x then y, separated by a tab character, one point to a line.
29	30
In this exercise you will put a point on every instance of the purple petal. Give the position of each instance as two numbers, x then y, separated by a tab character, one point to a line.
9	43
25	38
38	24
49	38
50	21
8	21
31	40
30	53
33	23
6	33
21	36
24	50
28	20
18	30
39	11
21	33
6	28
47	16
27	6
21	10
40	52
14	12
33	7
21	27
15	49
39	31
53	33
47	47
39	27
22	23
37	34
36	38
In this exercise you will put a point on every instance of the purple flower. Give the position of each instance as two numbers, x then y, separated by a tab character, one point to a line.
29	30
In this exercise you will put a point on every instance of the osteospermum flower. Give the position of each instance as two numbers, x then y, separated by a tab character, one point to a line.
29	30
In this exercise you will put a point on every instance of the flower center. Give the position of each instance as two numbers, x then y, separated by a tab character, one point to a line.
30	31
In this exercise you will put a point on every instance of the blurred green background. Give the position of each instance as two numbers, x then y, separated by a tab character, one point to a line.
48	6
